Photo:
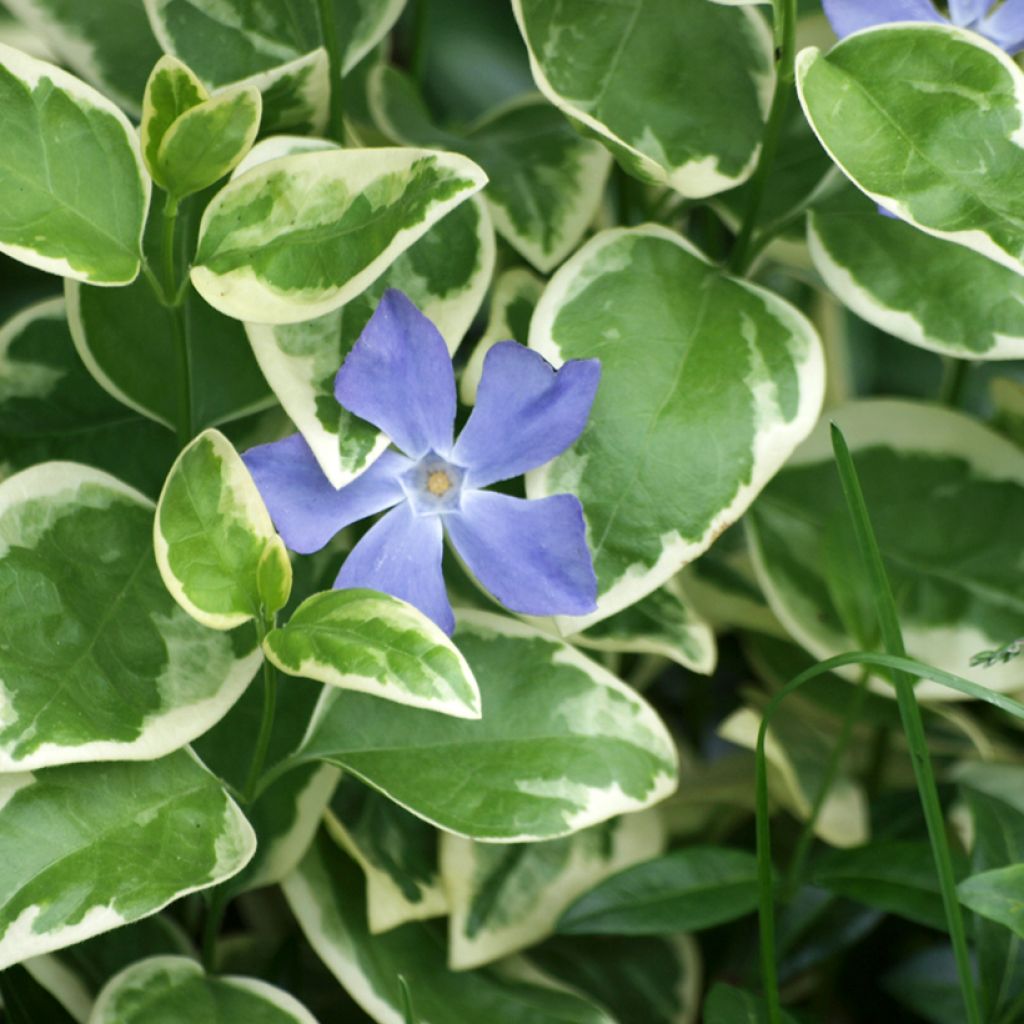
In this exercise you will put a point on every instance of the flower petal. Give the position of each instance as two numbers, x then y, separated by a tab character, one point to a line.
401	555
847	16
526	413
306	509
532	555
1006	26
965	12
399	377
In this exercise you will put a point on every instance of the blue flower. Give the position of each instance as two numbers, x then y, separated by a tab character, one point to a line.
1002	24
532	556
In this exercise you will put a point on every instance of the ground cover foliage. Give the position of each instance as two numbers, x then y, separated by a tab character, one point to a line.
511	512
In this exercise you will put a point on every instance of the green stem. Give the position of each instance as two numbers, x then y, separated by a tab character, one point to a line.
329	34
785	42
259	756
913	724
211	926
803	845
183	357
954	376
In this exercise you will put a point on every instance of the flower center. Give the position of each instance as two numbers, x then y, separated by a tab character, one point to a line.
438	482
433	485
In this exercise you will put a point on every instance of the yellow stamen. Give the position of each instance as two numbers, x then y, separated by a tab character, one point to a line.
438	482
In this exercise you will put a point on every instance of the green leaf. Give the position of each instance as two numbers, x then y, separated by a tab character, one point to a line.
204	141
706	388
300	236
369	642
926	983
638	978
73	190
943	154
505	897
287	813
727	1004
121	841
107	42
915	287
895	876
686	890
661	624
947	502
562	745
226	381
694	124
325	894
106	665
210	534
171	90
397	851
998	895
445	273
228	40
176	988
513	299
51	408
546	182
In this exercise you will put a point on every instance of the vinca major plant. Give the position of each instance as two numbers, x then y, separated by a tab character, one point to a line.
511	511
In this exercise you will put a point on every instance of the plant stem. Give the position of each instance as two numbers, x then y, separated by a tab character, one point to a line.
785	43
183	357
803	845
329	34
913	724
954	375
211	926
259	756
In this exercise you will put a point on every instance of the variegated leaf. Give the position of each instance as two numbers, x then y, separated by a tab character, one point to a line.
546	182
506	897
397	851
121	841
298	237
563	744
924	290
83	217
210	534
955	575
97	662
326	896
694	124
369	642
706	389
177	988
942	152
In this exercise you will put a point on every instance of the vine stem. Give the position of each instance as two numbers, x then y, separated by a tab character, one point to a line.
183	357
785	44
329	34
954	375
913	723
259	756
